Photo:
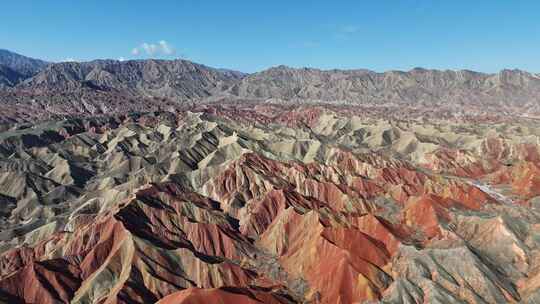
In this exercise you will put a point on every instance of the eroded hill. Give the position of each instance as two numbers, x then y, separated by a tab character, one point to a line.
270	204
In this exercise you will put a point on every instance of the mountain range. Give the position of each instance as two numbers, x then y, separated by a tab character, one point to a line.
182	80
25	66
168	181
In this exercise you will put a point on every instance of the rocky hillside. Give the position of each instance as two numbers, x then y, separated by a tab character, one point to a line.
9	77
509	87
182	80
158	78
24	66
268	204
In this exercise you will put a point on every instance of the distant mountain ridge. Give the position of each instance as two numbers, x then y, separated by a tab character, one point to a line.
364	86
25	66
160	78
9	77
184	80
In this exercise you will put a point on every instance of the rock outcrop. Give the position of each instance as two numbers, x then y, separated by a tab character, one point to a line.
269	204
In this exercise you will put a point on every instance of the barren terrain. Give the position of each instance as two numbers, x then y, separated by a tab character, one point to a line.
270	204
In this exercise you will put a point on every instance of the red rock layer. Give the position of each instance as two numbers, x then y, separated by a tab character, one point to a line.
222	295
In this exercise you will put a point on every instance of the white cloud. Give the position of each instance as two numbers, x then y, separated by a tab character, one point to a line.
68	60
121	59
166	48
151	49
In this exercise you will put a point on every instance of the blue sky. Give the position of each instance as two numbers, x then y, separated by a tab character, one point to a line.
254	35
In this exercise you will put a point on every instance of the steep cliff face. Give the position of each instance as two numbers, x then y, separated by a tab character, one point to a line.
265	204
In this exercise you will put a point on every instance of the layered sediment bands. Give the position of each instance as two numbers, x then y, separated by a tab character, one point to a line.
269	204
224	295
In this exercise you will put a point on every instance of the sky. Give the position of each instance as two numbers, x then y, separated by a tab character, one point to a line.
254	35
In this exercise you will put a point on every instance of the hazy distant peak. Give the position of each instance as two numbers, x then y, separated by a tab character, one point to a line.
23	65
